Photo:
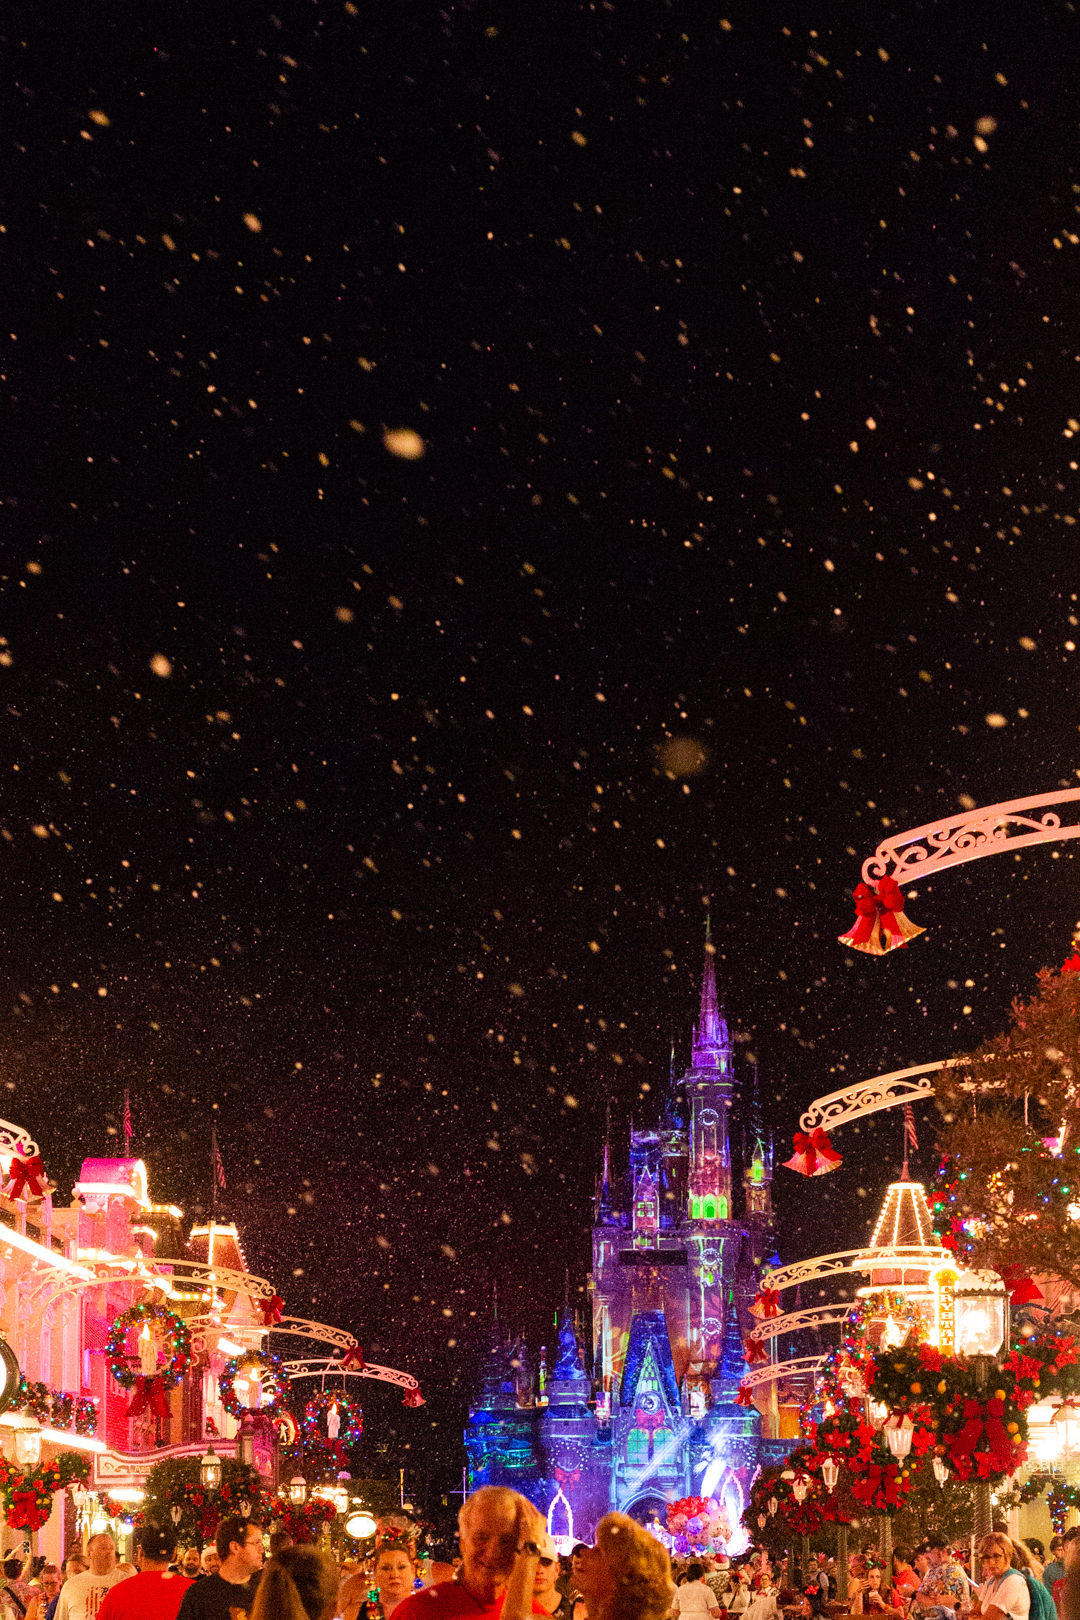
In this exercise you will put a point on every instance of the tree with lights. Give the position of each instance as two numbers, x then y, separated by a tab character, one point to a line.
1010	1194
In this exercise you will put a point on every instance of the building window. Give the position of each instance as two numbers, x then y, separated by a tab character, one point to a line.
637	1448
695	1209
723	1208
710	1209
662	1438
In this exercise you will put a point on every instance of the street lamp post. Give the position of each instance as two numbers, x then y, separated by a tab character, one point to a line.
830	1473
982	1320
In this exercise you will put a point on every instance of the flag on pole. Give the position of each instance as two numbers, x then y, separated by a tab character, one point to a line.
216	1166
910	1139
128	1132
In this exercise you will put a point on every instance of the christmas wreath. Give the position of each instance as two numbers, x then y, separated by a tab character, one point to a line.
55	1408
303	1523
26	1497
1059	1499
272	1376
915	1379
883	1302
138	1316
791	1516
113	1509
350	1419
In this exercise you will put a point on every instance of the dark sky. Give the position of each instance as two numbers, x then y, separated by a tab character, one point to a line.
742	362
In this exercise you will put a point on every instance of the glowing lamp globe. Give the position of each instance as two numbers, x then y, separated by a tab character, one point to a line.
361	1524
830	1473
1067	1425
898	1433
941	1471
210	1470
981	1306
772	1506
298	1490
800	1488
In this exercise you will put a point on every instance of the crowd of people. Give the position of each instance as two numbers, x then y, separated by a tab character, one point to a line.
510	1569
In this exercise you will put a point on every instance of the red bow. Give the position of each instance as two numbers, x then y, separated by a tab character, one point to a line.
1022	1290
413	1398
814	1155
148	1393
27	1177
1072	965
755	1352
567	1476
211	1427
271	1309
354	1357
999	1456
743	1396
880	924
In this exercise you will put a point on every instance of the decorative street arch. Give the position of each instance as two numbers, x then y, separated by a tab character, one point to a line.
324	1367
968	836
816	1316
783	1369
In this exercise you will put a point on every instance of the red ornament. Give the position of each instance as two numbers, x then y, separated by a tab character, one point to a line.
880	924
754	1352
743	1396
814	1155
413	1398
354	1357
271	1309
1072	965
766	1302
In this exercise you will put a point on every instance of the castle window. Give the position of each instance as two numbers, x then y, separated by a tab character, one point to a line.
723	1208
637	1447
757	1170
662	1438
695	1209
710	1209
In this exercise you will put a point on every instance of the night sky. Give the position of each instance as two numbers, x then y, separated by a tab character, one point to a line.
370	804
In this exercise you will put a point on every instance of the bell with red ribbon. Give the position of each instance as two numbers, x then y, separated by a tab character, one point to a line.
271	1309
413	1398
743	1396
148	1395
880	925
28	1178
814	1154
754	1352
354	1357
766	1303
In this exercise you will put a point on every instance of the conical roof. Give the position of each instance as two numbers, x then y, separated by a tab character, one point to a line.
904	1222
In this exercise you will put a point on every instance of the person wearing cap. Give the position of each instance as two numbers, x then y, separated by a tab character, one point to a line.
157	1591
545	1591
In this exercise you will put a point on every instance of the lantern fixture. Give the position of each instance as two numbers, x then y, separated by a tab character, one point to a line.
878	1413
176	1514
830	1473
762	1521
800	1488
28	1444
981	1306
245	1507
772	1506
898	1432
361	1524
210	1470
941	1471
298	1490
1066	1423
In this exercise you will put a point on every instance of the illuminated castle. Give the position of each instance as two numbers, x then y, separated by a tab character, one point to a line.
674	1269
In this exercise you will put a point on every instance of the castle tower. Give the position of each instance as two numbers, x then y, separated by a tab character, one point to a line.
708	1084
757	1180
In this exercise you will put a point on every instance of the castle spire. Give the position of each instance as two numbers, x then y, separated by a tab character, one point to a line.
604	1208
712	1042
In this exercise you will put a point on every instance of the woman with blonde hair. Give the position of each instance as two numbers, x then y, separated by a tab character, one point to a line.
299	1584
1004	1593
625	1576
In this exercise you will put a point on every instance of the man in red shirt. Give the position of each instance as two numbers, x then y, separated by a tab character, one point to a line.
157	1592
496	1527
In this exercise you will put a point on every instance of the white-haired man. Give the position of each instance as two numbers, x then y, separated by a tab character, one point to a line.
496	1527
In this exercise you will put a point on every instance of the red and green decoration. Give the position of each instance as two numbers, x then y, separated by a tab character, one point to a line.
261	1367
304	1523
56	1409
174	1484
159	1358
26	1496
792	1517
113	1509
331	1410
